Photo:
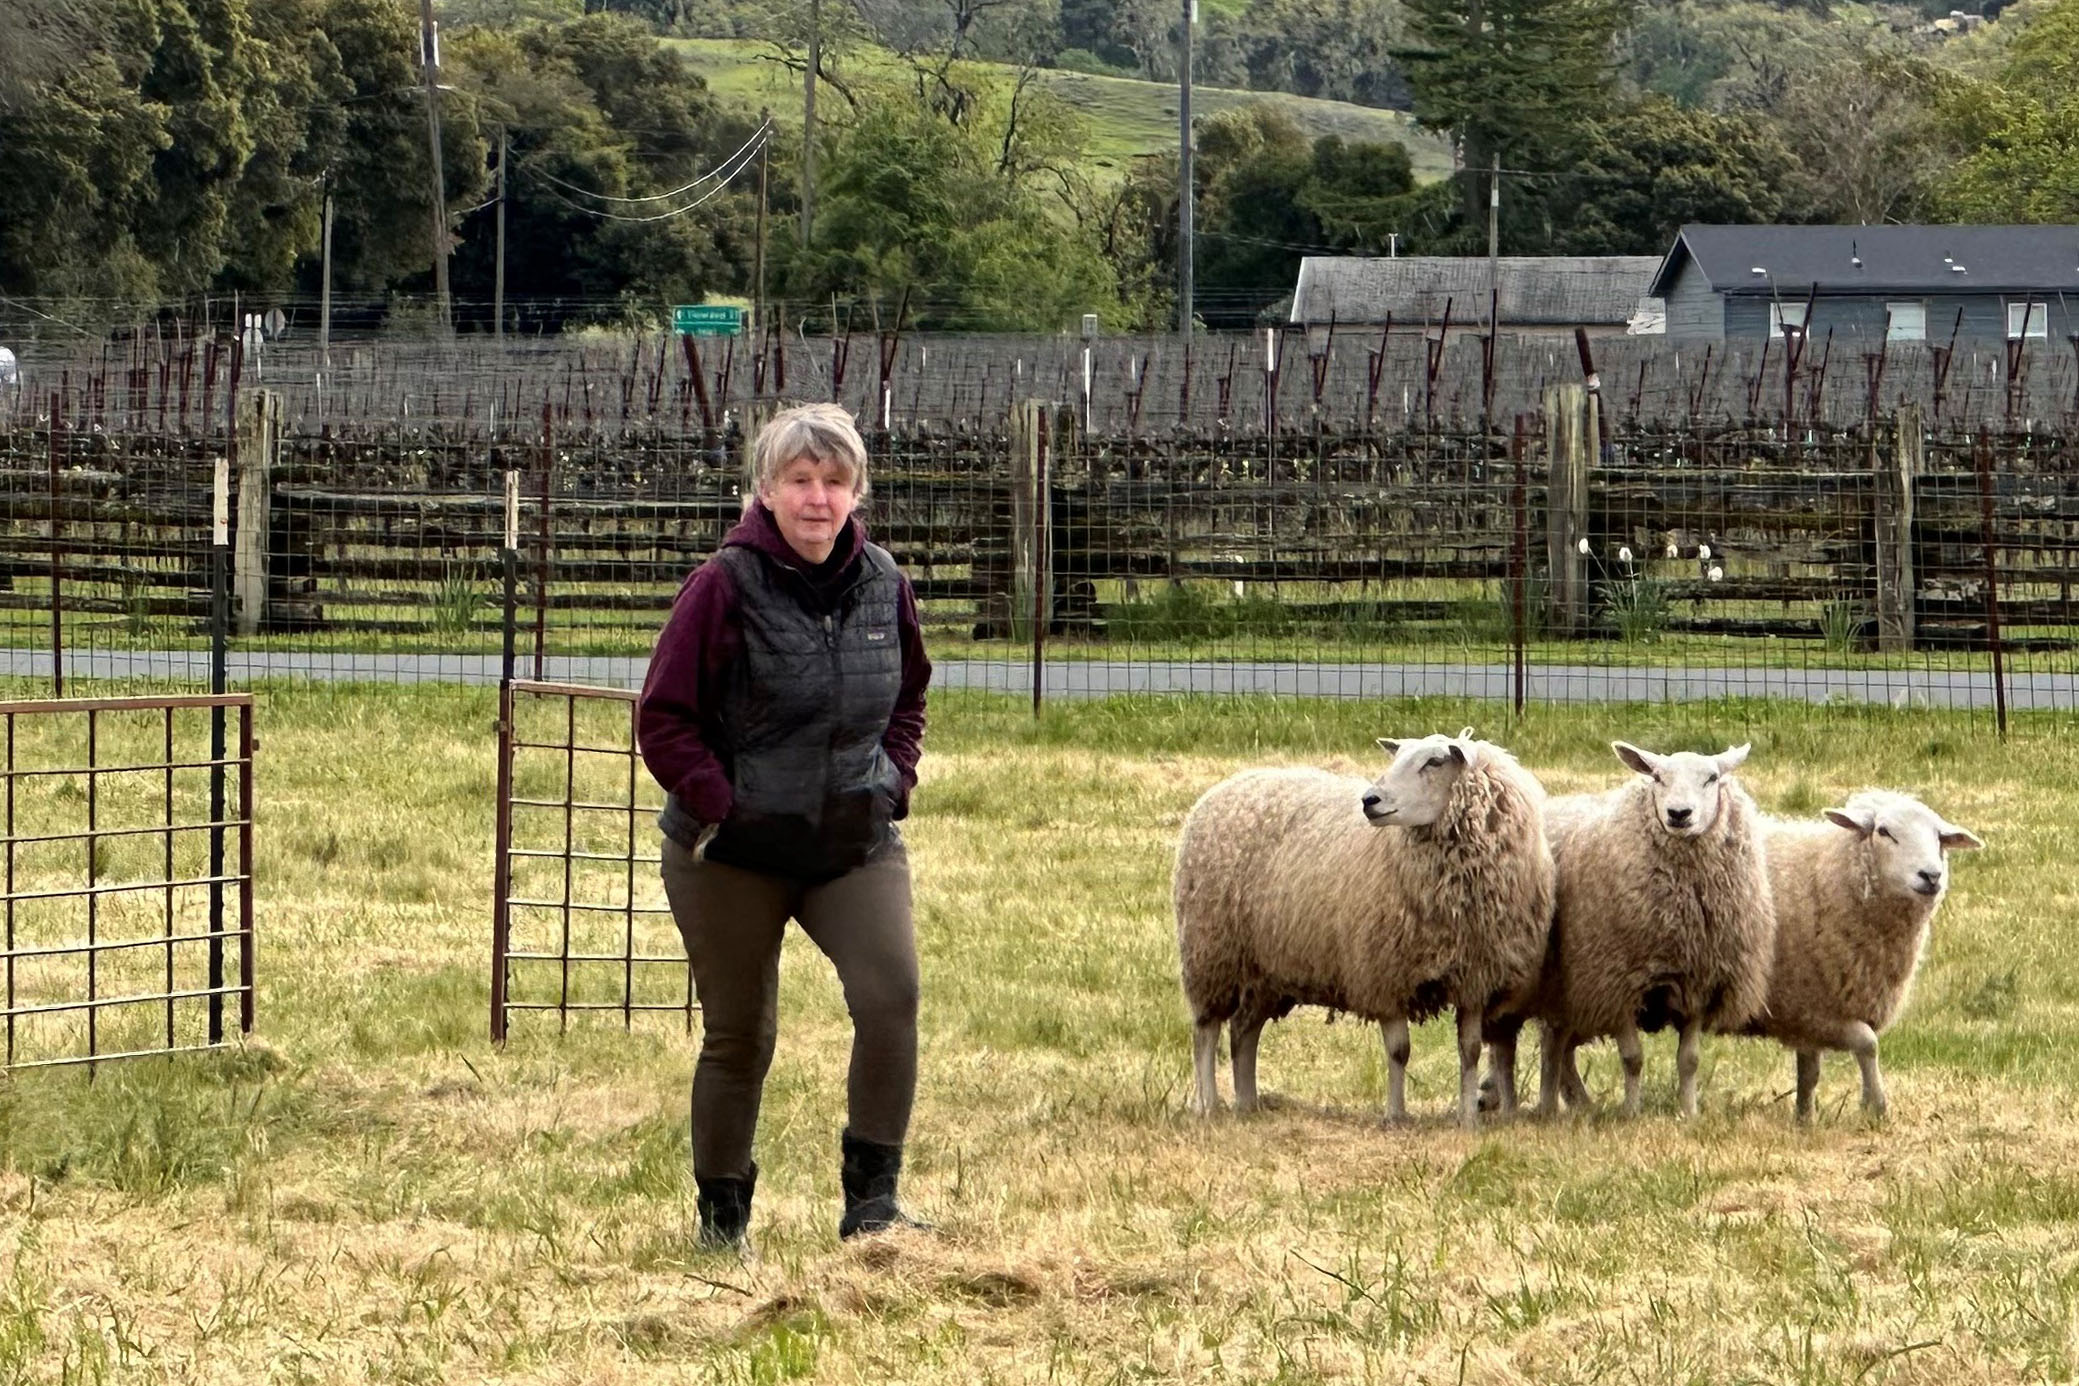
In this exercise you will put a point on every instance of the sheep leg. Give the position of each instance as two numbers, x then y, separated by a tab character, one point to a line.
1501	1065
1398	1049
1205	1060
1551	1039
1807	1084
1469	1067
1570	1085
1687	1053
1862	1042
1633	1057
1242	1034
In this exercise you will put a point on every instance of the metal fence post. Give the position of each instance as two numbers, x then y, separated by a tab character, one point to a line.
57	552
1519	562
219	630
1992	585
501	870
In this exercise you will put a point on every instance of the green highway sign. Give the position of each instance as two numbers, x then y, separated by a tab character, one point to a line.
707	320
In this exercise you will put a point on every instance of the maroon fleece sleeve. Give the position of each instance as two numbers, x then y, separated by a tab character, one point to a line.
904	741
698	640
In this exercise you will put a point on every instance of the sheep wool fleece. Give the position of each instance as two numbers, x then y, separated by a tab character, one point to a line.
1845	949
1654	928
1287	896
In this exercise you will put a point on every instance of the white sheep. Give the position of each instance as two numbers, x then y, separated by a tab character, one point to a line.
1855	897
1664	917
1430	888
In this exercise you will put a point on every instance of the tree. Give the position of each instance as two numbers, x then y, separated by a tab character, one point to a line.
75	175
1514	79
1654	166
983	220
610	212
369	139
2019	131
1867	138
1269	196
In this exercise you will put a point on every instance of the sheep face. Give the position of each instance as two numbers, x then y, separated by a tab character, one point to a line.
1416	789
1908	842
1688	790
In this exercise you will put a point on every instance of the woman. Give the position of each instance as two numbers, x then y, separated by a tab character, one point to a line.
783	715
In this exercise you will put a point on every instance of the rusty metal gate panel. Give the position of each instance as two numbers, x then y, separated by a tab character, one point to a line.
579	920
127	871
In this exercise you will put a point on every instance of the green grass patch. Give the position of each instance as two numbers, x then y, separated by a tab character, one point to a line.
371	1190
1128	117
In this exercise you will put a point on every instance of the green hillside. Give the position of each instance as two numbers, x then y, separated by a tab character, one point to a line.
1127	117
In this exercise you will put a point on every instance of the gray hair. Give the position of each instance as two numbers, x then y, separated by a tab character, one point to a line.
822	431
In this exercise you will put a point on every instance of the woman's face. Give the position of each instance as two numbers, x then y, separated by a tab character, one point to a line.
811	499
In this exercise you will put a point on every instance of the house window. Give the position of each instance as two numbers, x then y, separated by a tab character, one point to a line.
1905	322
2035	315
1782	315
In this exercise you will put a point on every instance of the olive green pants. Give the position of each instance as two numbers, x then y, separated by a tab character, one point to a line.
733	921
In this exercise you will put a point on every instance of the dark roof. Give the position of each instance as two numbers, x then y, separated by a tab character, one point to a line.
1894	259
1535	290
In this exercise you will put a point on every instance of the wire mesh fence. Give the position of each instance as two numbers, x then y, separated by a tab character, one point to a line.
128	872
579	923
1364	514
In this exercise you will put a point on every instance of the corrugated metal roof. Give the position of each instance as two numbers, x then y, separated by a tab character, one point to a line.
1878	259
1535	290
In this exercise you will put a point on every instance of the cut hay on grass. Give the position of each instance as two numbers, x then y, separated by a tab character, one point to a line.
371	1191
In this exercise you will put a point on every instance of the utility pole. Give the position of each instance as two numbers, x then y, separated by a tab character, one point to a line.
1494	243
808	121
429	46
1184	189
498	275
325	283
758	273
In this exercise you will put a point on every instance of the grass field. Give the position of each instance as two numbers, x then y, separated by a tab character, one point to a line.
371	1191
1127	117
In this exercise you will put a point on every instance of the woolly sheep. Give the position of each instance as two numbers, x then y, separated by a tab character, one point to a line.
1855	897
1664	917
1430	888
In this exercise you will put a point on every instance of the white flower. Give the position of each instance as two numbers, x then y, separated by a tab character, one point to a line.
1583	544
1717	573
1703	551
1673	551
1624	555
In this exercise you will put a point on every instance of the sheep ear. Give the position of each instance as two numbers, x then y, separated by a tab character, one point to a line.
1463	752
1861	822
1955	839
1733	757
1389	745
1645	762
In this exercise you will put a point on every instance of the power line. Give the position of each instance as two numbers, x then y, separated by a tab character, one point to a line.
727	175
757	136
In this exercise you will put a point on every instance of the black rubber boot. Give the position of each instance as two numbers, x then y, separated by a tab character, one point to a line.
869	1175
725	1210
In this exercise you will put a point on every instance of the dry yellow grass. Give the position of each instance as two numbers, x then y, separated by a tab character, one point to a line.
371	1191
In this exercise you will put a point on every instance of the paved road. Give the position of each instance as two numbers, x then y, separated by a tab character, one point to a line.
1562	683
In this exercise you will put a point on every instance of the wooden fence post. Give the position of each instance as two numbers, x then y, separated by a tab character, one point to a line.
1894	516
1032	579
1569	431
259	434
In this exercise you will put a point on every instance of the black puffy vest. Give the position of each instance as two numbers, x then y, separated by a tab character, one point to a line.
800	724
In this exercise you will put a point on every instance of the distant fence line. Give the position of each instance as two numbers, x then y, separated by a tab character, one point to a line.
1571	522
1293	378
